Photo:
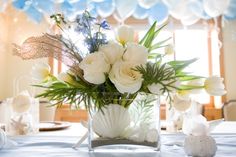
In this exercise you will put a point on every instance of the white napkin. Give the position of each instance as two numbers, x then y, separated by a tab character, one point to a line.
5	142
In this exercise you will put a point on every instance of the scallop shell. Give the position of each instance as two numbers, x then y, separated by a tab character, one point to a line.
111	121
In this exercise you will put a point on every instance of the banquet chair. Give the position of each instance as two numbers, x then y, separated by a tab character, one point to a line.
229	110
65	113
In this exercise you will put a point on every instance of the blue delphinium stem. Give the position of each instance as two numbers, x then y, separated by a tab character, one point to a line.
84	26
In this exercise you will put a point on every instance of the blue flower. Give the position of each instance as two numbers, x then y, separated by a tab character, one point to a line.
105	25
84	23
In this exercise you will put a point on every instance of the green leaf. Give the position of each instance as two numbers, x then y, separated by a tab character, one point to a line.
189	87
154	56
189	77
152	36
180	65
152	28
158	45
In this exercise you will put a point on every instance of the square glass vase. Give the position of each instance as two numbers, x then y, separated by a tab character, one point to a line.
135	127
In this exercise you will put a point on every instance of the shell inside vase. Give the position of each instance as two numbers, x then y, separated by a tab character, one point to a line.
111	121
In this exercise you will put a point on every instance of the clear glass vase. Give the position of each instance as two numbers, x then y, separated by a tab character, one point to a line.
131	128
23	122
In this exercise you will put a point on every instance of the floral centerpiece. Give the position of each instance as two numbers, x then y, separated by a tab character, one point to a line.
118	81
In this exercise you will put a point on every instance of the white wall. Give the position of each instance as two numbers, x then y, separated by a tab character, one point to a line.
229	41
12	67
3	51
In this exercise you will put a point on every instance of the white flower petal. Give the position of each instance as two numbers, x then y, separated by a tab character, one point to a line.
95	67
214	86
95	77
40	71
125	34
112	52
155	88
136	53
124	78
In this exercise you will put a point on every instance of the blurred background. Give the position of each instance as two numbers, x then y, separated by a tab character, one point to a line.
205	29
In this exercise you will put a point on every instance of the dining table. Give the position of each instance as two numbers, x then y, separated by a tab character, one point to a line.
58	143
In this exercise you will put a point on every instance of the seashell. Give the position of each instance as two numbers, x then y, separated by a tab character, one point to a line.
202	146
139	134
3	139
21	103
111	121
152	135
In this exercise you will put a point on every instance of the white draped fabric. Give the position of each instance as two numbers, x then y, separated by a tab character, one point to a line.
59	143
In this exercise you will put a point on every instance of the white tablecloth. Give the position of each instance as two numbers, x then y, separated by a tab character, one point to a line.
59	144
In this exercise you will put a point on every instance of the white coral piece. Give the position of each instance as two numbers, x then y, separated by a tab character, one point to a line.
152	135
201	146
111	122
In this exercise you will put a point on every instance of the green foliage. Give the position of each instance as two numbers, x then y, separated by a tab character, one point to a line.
156	73
142	109
150	36
82	94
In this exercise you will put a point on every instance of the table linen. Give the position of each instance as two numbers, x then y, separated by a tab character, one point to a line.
59	143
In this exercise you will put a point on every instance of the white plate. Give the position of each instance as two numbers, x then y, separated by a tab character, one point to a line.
53	125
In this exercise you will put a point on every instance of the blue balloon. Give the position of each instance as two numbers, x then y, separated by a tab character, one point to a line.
105	8
93	12
171	3
125	8
230	13
158	12
46	6
197	9
79	6
21	4
67	9
34	14
140	13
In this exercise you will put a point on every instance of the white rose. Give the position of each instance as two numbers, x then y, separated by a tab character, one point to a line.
124	78
94	67
136	53
125	34
112	52
214	86
169	49
155	88
40	71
